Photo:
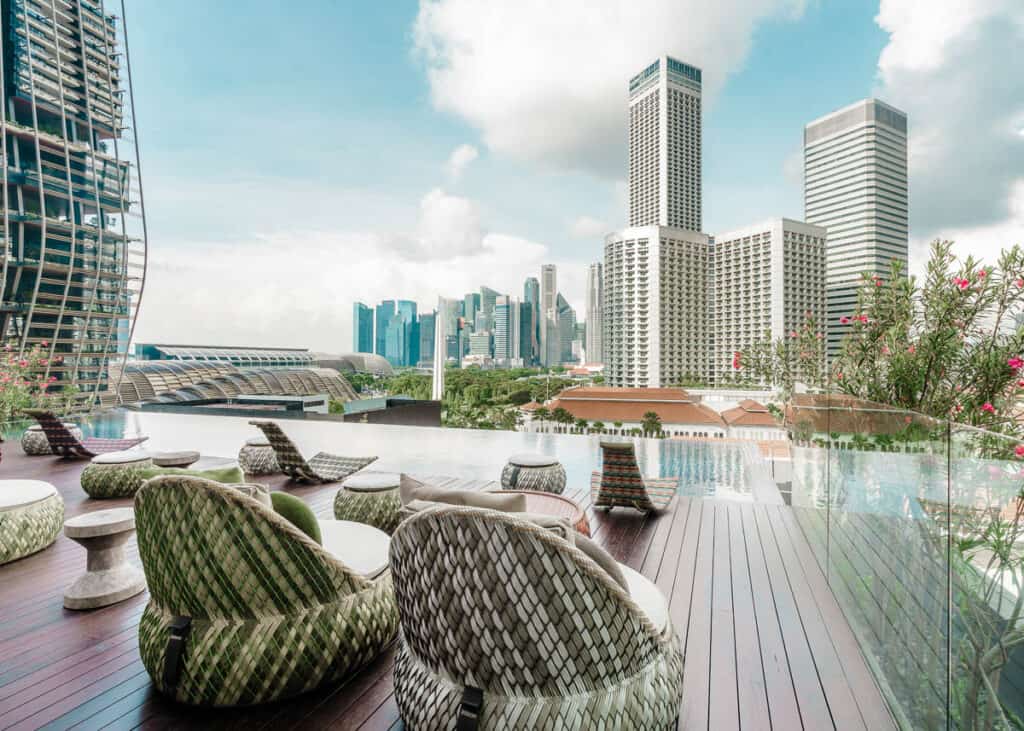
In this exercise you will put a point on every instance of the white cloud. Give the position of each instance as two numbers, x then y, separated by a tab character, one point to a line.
586	227
547	82
295	287
460	158
954	67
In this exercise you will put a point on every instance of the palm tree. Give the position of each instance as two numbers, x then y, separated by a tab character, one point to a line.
651	423
562	416
597	426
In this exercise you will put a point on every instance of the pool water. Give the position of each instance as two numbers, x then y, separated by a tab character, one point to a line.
706	468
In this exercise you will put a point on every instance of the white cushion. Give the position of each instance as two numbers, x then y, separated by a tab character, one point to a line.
257	442
362	548
372	481
128	456
647	596
19	493
531	459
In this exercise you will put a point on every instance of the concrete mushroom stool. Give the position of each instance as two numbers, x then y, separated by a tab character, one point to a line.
109	578
115	474
256	457
31	514
35	444
535	472
370	498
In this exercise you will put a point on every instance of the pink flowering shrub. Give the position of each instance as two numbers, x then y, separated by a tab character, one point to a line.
24	382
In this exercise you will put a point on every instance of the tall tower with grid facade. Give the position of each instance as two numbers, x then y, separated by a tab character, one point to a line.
72	241
665	145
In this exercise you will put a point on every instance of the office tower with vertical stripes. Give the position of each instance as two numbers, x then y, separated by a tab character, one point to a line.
594	298
73	254
362	328
855	185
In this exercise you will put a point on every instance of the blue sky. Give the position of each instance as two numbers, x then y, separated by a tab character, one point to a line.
309	141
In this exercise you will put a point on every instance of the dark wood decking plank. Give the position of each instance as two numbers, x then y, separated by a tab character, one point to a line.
750	681
814	709
861	682
783	709
723	708
697	668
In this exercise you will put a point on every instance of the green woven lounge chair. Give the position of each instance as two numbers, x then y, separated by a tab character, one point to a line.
322	467
619	483
508	625
244	608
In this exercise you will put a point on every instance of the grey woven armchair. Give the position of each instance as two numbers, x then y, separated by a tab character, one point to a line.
244	608
509	623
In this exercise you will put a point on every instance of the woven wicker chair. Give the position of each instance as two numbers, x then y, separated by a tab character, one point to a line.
270	613
322	467
619	483
65	444
494	605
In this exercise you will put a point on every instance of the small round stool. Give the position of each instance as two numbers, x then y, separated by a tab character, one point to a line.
116	474
31	514
534	472
34	442
371	498
175	459
256	457
109	578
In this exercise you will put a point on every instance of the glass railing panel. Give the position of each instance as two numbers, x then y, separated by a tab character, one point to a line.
986	549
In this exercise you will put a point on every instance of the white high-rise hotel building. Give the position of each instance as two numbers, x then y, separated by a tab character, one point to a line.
655	272
855	184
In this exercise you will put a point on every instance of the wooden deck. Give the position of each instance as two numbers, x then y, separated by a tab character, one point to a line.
766	644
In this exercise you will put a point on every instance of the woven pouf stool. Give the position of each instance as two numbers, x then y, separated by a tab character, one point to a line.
116	474
536	472
108	578
35	444
181	459
256	457
31	514
370	498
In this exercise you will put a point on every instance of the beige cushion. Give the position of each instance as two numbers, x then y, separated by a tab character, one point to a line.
21	493
255	490
411	489
603	559
647	596
559	526
362	548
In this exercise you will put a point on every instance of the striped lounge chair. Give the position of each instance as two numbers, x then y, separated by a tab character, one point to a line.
509	625
322	467
620	483
64	443
245	608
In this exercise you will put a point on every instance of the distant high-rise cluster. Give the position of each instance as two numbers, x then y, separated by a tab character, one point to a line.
485	327
677	305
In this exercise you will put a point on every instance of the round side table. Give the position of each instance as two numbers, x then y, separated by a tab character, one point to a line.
109	578
175	459
256	457
371	498
533	472
116	474
34	442
546	503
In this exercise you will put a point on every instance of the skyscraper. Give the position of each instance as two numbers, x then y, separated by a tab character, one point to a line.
665	145
768	279
73	253
428	323
471	306
549	346
382	317
656	329
531	298
507	348
488	297
566	329
855	185
410	351
362	328
527	333
595	296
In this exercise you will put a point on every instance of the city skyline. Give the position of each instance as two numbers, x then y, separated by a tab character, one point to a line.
481	191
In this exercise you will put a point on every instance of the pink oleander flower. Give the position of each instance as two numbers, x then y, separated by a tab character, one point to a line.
863	318
885	350
911	350
43	344
962	283
839	376
844	320
23	363
793	334
982	274
1019	450
988	408
878	282
1019	281
1020	383
907	419
1015	363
